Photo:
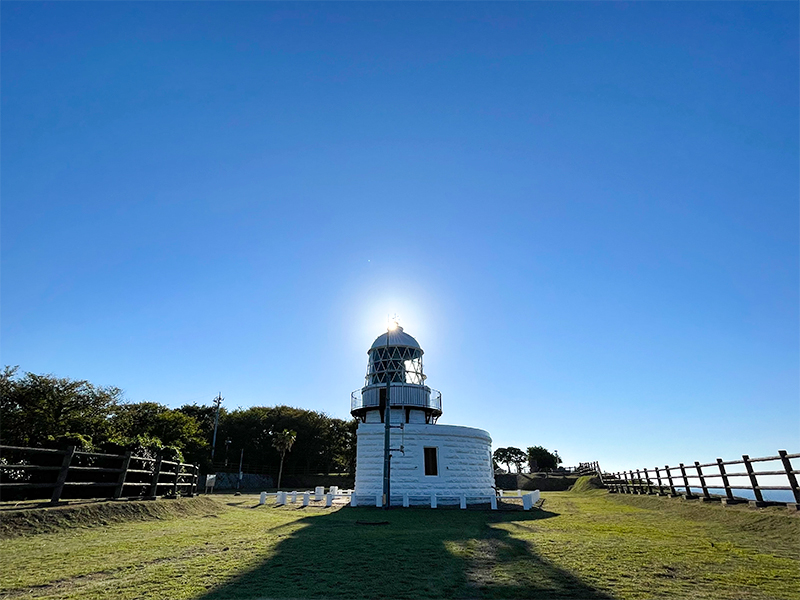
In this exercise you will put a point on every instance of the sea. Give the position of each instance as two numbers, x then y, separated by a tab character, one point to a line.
769	495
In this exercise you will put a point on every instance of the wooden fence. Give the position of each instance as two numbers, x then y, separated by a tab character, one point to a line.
587	468
71	473
711	476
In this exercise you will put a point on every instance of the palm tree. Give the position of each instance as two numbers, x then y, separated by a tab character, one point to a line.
283	442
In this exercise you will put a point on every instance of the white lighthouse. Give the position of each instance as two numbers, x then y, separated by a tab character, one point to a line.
427	458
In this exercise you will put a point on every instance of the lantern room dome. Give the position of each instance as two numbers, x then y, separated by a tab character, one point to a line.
397	338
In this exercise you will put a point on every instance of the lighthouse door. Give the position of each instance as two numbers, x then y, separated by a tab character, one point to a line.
382	402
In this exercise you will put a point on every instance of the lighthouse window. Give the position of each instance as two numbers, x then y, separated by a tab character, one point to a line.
431	462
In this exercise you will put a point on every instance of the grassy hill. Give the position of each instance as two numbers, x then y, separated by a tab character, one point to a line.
582	545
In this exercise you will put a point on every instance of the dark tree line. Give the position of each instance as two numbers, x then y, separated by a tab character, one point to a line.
536	458
49	411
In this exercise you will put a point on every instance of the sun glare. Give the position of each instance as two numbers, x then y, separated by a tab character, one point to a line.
392	324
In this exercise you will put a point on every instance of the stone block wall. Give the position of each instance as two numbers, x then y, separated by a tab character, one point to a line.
464	462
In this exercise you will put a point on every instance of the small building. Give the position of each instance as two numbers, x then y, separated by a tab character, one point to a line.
427	457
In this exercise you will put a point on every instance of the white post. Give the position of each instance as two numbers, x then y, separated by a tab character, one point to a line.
328	500
501	493
334	489
279	499
405	500
262	499
494	502
527	502
294	497
353	501
463	501
306	498
378	500
318	491
433	500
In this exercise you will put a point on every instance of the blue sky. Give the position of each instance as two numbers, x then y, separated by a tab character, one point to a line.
587	214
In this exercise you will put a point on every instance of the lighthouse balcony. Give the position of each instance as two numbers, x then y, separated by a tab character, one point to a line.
401	395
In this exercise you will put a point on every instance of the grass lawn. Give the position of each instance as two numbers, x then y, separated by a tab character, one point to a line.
583	545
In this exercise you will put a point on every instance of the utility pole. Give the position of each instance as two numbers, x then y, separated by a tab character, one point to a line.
218	400
241	458
387	453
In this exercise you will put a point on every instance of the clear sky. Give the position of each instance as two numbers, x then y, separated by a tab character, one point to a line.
587	214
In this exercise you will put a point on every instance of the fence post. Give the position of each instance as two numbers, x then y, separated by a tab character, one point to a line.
706	496
787	465
688	495
660	485
647	482
178	469
121	480
600	473
672	491
156	475
729	499
193	488
62	474
759	501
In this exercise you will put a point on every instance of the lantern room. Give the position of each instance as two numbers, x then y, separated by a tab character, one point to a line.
394	370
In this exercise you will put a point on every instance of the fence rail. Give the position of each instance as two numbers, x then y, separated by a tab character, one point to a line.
708	477
28	472
587	468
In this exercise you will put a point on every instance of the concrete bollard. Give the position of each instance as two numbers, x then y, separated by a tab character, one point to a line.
334	489
318	492
306	498
378	500
433	500
279	499
328	500
463	501
353	500
405	500
493	500
294	497
262	499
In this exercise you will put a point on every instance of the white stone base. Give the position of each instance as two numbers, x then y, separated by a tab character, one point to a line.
464	464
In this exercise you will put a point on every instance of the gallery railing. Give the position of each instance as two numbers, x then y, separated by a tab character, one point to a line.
400	395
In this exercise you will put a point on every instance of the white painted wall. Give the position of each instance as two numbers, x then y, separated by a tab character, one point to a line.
464	453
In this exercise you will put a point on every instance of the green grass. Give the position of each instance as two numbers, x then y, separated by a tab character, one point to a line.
583	545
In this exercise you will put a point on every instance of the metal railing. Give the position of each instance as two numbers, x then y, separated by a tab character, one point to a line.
400	395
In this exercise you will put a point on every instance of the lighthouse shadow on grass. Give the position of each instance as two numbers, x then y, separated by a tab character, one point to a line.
411	553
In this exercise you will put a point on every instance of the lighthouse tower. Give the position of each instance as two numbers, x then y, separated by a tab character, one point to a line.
426	457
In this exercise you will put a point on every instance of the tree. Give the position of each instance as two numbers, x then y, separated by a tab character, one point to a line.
43	409
541	458
516	456
283	442
501	456
162	426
